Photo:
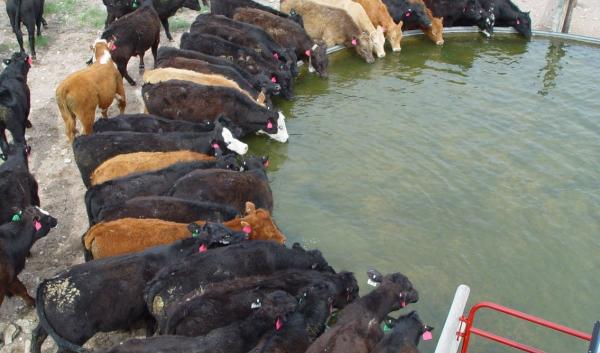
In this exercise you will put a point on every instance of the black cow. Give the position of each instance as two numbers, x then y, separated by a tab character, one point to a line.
15	100
245	57
185	100
28	12
228	301
463	13
132	35
304	326
220	66
165	9
238	337
16	238
246	35
18	188
115	192
251	258
107	294
228	7
228	187
169	209
91	150
411	13
289	35
153	123
507	14
405	335
357	328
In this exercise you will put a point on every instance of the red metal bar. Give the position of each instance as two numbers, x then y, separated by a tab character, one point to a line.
505	341
518	314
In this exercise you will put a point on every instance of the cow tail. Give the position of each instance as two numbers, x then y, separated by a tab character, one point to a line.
63	106
62	343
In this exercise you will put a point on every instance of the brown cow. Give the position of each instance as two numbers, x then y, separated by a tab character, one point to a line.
436	31
129	235
129	163
81	92
332	25
380	16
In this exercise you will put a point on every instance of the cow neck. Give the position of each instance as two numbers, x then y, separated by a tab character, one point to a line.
380	302
12	72
20	235
234	224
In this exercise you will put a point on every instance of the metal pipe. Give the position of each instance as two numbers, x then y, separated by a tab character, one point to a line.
567	21
505	341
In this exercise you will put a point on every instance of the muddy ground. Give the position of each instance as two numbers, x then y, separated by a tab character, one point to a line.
52	163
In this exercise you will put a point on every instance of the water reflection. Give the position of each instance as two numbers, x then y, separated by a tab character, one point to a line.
556	51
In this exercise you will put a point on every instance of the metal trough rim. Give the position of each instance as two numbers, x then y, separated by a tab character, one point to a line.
497	30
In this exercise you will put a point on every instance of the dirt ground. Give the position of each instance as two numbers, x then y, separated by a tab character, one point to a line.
52	162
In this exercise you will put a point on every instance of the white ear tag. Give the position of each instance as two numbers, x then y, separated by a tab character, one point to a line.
372	283
256	304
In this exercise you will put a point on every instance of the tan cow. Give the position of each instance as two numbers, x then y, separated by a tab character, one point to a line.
332	25
80	93
361	18
171	73
380	16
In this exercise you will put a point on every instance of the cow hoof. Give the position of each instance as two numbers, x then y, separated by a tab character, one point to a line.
171	40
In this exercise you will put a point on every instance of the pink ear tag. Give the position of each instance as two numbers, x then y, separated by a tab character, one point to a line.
403	304
354	41
37	225
278	324
274	79
427	336
266	163
307	52
518	21
276	56
29	61
407	14
247	229
202	248
269	125
216	146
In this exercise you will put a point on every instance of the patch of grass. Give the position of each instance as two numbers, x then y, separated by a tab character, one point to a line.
61	7
178	24
5	50
40	42
94	17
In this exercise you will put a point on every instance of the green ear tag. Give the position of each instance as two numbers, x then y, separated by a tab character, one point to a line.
135	4
386	328
16	217
195	233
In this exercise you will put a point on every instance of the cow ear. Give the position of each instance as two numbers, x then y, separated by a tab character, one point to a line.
374	277
6	62
250	207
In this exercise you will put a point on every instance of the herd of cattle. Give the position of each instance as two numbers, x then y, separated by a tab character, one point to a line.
180	233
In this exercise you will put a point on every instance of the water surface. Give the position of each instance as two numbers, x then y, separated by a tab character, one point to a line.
477	162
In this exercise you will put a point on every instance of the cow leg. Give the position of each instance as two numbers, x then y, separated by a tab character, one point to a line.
18	288
165	23
44	23
142	65
87	120
31	32
69	119
38	24
122	66
18	33
121	96
38	336
155	49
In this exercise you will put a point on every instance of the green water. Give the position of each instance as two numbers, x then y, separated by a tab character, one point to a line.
477	162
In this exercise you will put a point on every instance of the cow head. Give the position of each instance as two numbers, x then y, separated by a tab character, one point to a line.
19	63
397	284
101	50
394	36
276	307
228	161
318	57
364	47
522	23
192	4
260	225
40	221
263	82
215	234
473	11
223	138
275	129
378	40
436	31
411	326
416	13
349	289
487	21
